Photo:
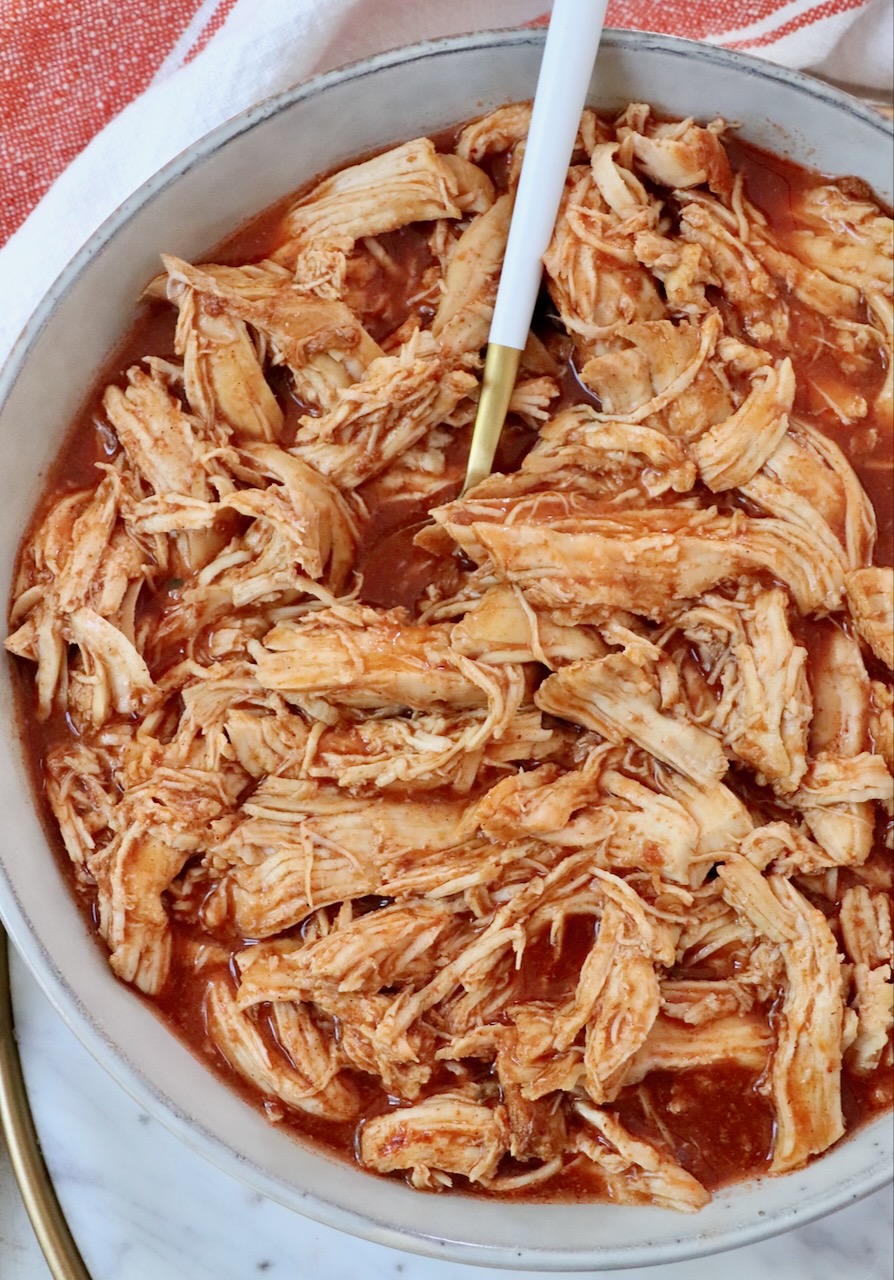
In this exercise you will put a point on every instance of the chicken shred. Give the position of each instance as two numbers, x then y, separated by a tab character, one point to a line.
870	595
806	1066
410	183
635	1171
447	1134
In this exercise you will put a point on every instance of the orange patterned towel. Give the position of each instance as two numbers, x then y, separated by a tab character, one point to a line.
67	68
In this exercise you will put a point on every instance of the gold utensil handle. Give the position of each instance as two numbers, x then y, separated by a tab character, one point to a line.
500	369
35	1184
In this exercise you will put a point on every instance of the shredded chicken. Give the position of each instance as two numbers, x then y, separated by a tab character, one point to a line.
870	597
320	339
806	1066
673	1044
759	678
462	321
682	154
570	555
633	696
634	1171
411	183
467	819
617	462
662	375
302	1074
732	451
450	1133
371	422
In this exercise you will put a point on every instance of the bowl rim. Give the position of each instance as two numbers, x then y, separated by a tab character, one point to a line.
81	1020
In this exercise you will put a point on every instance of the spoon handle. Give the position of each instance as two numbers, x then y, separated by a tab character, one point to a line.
575	29
573	37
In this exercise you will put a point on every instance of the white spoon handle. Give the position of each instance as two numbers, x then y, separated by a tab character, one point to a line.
573	37
575	28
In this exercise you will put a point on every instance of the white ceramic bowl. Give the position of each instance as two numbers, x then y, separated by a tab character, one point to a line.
185	209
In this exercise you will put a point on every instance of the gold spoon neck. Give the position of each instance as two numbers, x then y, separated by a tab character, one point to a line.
500	371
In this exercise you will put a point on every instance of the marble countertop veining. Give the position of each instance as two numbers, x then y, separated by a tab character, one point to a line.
142	1206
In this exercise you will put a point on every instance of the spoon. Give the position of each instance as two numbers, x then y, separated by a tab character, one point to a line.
572	39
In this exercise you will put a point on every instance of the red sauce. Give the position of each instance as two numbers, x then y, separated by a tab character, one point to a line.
550	970
715	1121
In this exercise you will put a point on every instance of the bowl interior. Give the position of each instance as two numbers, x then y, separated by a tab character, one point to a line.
204	194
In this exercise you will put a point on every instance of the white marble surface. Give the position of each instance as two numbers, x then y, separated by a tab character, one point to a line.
144	1207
